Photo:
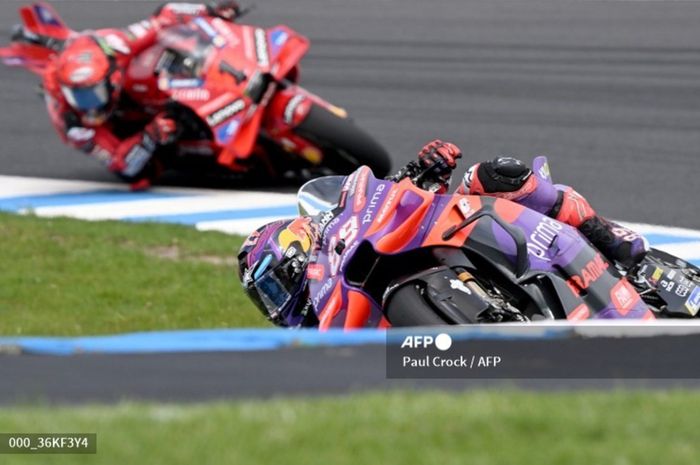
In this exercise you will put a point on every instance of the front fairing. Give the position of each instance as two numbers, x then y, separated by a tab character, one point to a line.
364	209
210	66
398	217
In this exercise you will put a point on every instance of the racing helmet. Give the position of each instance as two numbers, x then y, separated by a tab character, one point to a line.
89	79
272	268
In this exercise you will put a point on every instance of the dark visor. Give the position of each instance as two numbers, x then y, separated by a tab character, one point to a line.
87	98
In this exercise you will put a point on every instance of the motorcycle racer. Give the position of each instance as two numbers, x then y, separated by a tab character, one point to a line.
93	111
274	260
511	179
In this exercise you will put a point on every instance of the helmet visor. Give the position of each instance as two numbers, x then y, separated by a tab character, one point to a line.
274	287
87	98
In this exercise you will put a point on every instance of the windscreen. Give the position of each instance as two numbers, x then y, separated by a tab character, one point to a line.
320	195
187	48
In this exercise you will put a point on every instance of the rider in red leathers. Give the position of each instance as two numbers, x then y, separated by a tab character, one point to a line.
94	111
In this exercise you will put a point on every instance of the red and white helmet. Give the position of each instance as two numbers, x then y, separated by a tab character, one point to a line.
89	79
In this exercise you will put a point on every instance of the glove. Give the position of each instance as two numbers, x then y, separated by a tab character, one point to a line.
225	9
442	154
162	130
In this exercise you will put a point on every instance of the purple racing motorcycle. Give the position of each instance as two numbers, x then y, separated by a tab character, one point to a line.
392	254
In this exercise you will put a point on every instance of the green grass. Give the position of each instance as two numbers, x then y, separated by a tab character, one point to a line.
70	277
395	428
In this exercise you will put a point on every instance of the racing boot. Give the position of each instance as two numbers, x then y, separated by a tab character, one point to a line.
616	242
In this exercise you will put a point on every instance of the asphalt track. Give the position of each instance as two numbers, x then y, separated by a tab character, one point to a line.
609	90
194	377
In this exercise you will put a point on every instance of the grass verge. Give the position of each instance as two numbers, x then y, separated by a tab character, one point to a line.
390	428
70	277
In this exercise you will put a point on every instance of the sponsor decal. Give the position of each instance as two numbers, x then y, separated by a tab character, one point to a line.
191	9
590	273
136	160
45	16
544	171
361	190
81	74
191	94
225	31
278	37
369	212
325	220
682	291
208	29
658	273
139	30
117	44
181	83
291	108
226	132
693	303
334	222
261	47
79	134
458	285
325	289
624	297
542	237
226	112
315	272
388	204
205	27
85	57
350	182
582	312
668	285
465	207
347	234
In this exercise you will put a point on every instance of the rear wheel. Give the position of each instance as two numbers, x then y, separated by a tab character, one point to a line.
346	147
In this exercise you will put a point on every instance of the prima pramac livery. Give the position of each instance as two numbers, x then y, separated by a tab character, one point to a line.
379	253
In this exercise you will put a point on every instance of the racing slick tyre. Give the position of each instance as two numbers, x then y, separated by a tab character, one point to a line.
346	147
408	307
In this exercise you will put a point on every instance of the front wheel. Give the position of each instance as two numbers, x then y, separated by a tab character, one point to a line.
346	147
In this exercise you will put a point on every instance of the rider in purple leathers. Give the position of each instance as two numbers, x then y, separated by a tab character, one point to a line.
266	278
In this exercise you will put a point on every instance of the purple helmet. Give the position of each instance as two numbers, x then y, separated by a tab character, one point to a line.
272	268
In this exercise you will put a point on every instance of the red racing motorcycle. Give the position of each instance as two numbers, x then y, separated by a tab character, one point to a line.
234	90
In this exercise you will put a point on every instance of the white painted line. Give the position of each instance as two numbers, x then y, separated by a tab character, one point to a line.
242	227
685	250
172	206
644	228
16	186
